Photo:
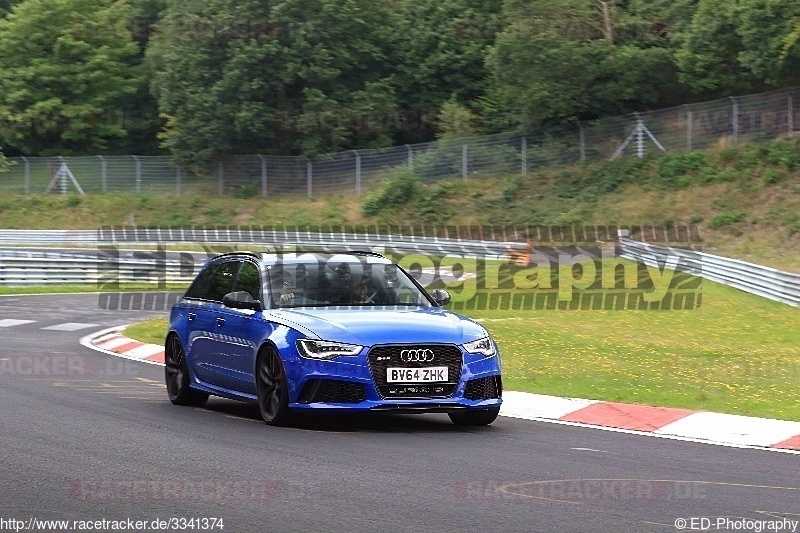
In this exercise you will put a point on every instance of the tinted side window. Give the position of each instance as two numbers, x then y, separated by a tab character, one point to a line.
202	284
222	280
248	280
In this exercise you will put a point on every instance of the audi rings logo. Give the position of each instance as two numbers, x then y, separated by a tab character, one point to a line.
422	355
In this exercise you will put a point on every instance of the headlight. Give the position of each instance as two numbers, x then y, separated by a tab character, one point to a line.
326	349
484	346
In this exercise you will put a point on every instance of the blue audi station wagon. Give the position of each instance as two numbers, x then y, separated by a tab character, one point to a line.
327	332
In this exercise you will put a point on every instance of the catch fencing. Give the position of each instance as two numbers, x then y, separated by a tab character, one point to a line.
677	129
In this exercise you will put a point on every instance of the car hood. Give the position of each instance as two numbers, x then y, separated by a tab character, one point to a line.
367	327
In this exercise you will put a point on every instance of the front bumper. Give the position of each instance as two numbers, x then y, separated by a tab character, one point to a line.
304	374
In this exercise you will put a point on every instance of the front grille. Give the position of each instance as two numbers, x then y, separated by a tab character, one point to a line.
382	357
486	388
332	391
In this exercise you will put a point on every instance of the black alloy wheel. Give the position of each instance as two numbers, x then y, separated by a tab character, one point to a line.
176	375
273	393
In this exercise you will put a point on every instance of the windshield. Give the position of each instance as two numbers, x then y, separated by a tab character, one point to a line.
341	280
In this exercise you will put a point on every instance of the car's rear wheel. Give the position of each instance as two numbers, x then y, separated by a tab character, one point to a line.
273	393
176	375
475	417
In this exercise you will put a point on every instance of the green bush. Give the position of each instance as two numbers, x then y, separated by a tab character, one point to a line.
726	219
247	190
398	190
677	171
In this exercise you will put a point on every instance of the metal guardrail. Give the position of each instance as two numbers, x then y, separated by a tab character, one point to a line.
105	266
47	269
755	279
21	267
492	242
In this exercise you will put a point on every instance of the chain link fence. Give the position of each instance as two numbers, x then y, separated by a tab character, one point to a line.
677	129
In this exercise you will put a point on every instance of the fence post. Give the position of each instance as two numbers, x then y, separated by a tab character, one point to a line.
138	174
263	175
103	174
464	169
524	155
309	179
27	175
221	172
358	172
582	141
689	126
735	120
639	136
790	120
410	157
178	181
63	176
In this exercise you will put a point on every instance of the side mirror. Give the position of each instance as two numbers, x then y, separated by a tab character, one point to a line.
241	300
441	297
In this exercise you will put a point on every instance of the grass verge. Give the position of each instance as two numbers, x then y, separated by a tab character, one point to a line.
153	331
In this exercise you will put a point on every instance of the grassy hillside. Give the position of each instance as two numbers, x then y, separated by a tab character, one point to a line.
745	199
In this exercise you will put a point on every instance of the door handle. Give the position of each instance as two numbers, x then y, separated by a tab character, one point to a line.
220	321
192	316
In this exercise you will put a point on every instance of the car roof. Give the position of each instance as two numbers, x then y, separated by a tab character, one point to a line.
303	256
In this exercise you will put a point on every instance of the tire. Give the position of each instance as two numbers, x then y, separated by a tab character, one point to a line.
475	417
273	392
176	375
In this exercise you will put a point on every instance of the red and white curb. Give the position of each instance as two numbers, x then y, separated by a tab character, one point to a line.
113	342
665	422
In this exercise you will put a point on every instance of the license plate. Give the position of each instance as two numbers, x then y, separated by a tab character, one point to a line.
431	374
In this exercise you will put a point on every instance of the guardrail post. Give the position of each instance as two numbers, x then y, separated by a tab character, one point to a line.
524	155
735	120
582	141
221	182
178	181
790	119
410	157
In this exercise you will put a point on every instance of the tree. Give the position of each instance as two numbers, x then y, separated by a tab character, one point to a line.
6	6
67	67
441	55
300	76
733	49
765	28
575	59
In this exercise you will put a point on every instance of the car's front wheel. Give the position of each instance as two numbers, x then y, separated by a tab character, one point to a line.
176	375
475	417
273	393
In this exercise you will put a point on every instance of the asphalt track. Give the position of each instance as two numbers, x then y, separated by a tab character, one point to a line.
86	436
